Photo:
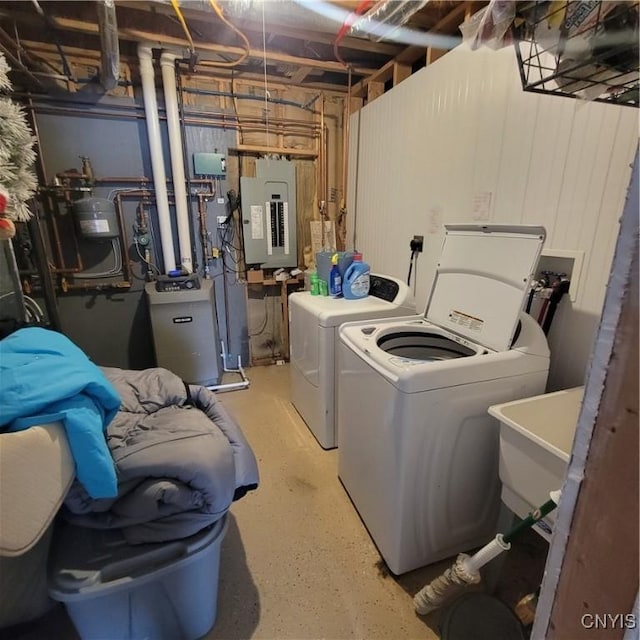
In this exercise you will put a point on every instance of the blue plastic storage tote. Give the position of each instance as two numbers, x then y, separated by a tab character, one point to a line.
113	590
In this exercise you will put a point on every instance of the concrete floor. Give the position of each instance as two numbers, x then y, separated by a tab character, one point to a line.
297	562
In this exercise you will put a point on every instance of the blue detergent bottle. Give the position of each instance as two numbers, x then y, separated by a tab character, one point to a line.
356	279
335	279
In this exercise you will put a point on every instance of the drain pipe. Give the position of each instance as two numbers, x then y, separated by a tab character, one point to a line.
145	56
168	65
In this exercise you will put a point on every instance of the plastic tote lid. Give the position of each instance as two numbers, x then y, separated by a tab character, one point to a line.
482	279
86	560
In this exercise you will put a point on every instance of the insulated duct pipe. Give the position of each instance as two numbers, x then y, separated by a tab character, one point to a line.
110	50
168	65
157	160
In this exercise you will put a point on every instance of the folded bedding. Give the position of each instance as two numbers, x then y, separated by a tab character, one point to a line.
180	459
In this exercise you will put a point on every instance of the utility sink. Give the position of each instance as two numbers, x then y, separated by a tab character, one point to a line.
536	436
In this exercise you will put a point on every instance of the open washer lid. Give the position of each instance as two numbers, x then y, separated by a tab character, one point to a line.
481	281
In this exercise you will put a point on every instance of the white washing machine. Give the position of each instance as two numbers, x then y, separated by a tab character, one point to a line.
417	450
314	322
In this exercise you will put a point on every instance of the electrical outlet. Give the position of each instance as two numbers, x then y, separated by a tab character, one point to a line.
417	243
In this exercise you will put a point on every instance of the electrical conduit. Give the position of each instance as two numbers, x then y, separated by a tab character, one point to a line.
157	160
167	64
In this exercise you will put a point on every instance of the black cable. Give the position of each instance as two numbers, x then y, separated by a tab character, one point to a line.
530	299
266	320
413	255
559	290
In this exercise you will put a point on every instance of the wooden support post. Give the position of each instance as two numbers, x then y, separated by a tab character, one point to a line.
434	54
284	326
374	90
400	72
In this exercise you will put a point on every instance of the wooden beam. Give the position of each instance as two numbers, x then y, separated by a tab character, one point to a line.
592	568
446	24
275	82
400	67
300	75
274	27
434	54
374	90
160	40
453	19
400	72
599	573
410	55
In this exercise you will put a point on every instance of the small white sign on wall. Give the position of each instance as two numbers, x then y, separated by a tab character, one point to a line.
434	222
481	206
257	226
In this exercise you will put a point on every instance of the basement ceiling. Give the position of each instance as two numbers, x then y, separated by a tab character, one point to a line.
291	40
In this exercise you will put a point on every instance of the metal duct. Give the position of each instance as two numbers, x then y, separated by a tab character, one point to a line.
110	51
157	159
168	66
385	17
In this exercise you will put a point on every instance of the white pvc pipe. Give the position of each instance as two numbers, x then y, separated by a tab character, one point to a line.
490	551
157	159
168	65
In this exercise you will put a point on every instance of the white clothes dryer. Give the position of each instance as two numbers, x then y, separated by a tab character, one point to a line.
417	450
314	322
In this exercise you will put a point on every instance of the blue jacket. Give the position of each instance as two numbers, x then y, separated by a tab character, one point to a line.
44	377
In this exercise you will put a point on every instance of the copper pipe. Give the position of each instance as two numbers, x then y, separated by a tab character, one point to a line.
145	180
325	160
196	121
124	242
345	145
215	119
204	235
322	202
62	267
72	175
56	237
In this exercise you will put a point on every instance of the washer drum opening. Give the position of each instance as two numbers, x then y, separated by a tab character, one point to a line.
416	345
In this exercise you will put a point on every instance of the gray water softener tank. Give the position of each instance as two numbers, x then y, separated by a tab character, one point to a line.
184	327
96	218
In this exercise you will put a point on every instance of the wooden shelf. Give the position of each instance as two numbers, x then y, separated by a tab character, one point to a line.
271	281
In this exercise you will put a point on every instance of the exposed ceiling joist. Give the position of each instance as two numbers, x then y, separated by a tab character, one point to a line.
274	28
410	54
299	46
162	39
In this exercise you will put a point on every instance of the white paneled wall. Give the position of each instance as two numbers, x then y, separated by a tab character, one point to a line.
426	151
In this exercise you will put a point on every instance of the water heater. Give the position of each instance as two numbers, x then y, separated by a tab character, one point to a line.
269	214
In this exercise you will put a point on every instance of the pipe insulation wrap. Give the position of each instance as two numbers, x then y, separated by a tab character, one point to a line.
110	49
450	583
168	66
157	159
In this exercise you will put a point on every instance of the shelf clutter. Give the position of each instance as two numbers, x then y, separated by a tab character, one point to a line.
583	49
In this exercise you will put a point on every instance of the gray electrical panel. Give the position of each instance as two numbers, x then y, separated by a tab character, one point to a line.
269	214
185	333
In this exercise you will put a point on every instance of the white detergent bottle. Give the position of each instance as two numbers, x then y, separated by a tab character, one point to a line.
356	279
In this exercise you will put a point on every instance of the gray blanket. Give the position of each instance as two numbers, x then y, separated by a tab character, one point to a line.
180	459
